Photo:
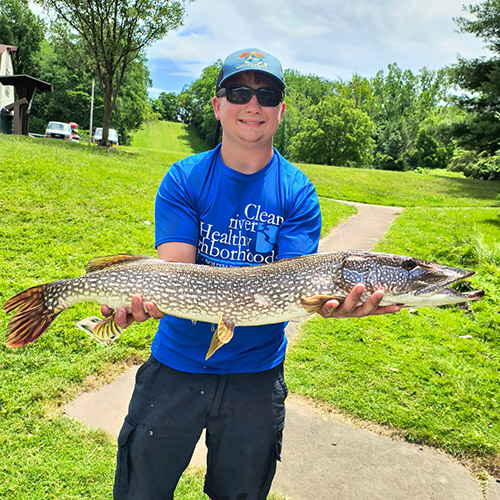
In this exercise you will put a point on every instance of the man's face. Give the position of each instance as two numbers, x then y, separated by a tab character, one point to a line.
248	123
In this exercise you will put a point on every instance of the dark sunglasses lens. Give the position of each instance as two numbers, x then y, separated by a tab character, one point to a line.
269	97
242	95
239	95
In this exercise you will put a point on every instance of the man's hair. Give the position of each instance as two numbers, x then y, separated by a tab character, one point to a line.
257	77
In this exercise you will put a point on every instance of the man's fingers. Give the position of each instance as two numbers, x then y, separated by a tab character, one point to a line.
137	308
153	311
371	305
123	317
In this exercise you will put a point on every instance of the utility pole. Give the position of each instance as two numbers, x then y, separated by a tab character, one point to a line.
91	111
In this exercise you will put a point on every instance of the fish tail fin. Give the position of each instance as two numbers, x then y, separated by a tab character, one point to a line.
32	317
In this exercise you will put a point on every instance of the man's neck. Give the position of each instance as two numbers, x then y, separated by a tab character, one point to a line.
248	160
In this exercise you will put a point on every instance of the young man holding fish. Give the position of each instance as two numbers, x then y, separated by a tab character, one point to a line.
240	204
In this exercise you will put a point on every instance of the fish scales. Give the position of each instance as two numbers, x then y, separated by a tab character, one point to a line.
234	296
245	295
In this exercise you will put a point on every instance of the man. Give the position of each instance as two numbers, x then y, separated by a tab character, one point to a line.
240	204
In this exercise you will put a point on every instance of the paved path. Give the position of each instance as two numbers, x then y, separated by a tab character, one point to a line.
325	458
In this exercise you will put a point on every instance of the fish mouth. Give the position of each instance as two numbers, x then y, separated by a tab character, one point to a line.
443	283
472	295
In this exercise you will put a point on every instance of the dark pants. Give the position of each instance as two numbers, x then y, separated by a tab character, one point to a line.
244	418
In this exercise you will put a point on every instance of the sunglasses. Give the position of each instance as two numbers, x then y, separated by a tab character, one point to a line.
238	94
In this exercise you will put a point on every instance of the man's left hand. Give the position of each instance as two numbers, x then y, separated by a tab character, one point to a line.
350	308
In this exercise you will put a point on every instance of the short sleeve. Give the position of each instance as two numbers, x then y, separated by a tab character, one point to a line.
176	217
300	231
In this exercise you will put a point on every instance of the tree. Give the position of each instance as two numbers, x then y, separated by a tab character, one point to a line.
302	92
20	27
401	103
480	78
167	106
336	133
70	100
196	103
109	35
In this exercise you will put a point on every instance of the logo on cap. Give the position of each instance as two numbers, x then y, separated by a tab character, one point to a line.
253	58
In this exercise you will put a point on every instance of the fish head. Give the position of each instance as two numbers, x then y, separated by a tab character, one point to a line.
406	280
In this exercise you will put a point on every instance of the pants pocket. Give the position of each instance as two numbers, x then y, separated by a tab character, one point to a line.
122	478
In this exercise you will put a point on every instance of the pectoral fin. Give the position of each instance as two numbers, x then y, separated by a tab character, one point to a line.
223	334
107	330
315	303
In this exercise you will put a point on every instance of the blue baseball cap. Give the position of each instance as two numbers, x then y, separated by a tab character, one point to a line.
251	60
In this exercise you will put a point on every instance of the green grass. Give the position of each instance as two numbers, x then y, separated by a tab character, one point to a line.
404	189
168	136
63	204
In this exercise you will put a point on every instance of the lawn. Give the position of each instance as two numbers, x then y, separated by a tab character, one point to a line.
168	136
63	204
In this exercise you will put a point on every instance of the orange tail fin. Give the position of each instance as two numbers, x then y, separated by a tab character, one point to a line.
31	319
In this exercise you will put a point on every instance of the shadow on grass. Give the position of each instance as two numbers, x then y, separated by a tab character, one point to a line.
194	140
471	188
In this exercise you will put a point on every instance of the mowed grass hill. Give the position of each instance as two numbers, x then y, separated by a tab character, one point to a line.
431	377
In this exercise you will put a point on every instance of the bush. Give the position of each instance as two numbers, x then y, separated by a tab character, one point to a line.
485	167
482	166
462	159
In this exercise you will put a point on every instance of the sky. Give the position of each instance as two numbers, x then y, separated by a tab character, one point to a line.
329	38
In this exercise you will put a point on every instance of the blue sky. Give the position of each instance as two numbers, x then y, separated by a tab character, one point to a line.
329	38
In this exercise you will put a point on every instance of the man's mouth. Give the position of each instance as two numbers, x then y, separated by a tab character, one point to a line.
251	123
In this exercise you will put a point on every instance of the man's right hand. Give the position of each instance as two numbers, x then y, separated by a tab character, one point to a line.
138	311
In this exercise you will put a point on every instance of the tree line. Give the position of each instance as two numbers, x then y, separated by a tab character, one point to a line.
397	120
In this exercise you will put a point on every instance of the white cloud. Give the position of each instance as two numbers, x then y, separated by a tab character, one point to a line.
330	38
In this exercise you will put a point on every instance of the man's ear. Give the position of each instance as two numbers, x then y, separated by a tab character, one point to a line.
216	106
283	106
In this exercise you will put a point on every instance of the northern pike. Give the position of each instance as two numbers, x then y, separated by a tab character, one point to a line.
234	296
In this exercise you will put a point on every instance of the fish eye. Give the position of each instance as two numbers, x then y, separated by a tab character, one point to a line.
408	264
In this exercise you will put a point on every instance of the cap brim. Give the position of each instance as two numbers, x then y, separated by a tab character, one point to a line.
280	83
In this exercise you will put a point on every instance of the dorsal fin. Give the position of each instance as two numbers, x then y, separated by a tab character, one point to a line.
99	263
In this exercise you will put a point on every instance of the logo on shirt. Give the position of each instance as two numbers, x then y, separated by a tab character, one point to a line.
248	239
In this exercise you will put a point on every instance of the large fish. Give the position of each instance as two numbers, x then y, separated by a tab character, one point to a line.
234	296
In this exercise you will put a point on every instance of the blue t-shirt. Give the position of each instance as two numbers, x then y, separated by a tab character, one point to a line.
233	219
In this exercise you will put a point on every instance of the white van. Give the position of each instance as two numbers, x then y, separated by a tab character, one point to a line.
58	130
112	136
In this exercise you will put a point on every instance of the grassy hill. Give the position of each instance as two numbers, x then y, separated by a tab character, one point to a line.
433	376
168	136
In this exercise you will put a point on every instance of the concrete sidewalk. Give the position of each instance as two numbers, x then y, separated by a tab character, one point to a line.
324	457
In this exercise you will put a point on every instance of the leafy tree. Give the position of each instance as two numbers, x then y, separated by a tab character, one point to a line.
167	106
132	105
336	133
70	100
302	92
401	103
480	78
20	27
196	103
109	36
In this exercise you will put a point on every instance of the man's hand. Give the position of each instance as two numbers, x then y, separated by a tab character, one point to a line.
350	309
138	311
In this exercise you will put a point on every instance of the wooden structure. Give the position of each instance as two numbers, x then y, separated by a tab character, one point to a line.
26	87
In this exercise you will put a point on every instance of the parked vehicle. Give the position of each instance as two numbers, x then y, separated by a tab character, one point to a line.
112	136
58	130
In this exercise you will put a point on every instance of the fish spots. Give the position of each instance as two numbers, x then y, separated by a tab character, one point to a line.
262	300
